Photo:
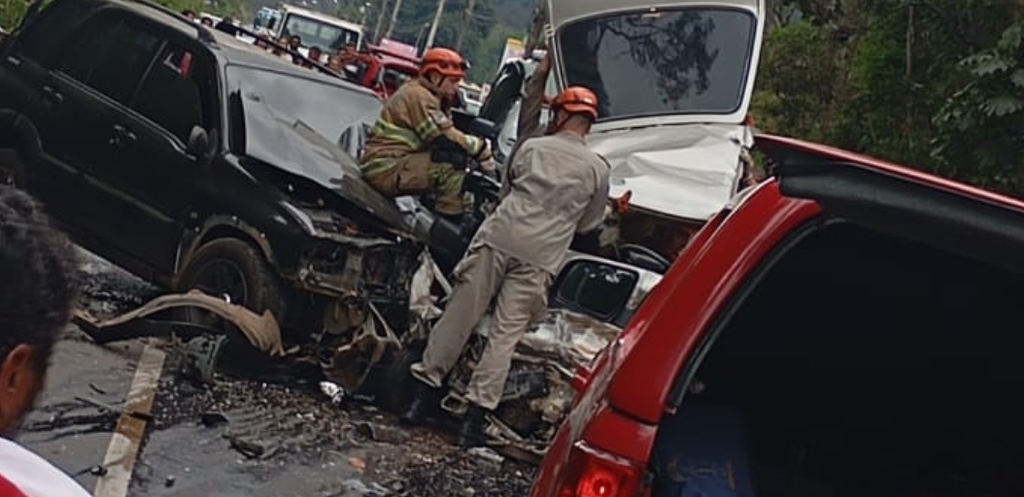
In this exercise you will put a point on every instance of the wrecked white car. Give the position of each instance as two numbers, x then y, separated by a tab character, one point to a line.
675	82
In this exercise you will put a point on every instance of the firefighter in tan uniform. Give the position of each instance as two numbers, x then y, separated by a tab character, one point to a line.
415	120
558	188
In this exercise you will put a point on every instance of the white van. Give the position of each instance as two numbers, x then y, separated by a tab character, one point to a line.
674	80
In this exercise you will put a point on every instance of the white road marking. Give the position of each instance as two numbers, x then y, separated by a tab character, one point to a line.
131	427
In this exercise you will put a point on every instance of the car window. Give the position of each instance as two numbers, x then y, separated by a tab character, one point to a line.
175	94
90	45
48	33
689	60
111	55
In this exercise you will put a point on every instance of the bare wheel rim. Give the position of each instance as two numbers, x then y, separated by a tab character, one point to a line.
223	279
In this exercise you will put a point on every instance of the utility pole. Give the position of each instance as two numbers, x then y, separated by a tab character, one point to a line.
466	25
394	18
433	26
380	20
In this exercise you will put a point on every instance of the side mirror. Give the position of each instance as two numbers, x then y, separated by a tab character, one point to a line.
198	145
599	289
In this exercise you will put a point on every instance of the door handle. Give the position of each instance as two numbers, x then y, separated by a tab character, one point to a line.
122	136
52	97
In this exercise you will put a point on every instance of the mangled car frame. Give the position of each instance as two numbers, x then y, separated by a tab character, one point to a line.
254	201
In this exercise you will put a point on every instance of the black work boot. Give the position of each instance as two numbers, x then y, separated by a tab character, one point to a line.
471	432
416	412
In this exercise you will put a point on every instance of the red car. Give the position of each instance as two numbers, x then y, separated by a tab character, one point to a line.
848	327
381	72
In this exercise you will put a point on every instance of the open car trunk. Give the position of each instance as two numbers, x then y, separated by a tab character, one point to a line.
862	361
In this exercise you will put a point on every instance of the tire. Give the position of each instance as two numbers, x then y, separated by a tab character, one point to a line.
233	269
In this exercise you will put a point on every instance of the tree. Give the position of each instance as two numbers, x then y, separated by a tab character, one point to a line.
934	84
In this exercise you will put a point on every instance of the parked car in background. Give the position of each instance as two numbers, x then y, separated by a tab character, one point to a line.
845	328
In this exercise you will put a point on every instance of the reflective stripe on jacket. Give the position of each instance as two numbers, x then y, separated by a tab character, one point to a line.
411	119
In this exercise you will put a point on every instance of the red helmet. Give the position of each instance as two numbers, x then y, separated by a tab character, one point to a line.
445	61
577	100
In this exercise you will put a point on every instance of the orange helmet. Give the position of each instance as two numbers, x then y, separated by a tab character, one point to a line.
577	100
445	61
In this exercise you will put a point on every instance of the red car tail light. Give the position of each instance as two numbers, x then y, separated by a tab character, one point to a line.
592	473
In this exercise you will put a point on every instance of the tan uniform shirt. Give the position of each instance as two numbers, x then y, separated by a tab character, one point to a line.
557	188
529	117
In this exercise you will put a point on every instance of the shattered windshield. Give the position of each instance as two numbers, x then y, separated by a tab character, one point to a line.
316	33
690	60
338	113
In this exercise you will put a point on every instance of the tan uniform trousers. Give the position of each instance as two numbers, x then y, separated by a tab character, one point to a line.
415	174
521	291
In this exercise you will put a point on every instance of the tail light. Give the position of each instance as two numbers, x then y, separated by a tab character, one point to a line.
592	473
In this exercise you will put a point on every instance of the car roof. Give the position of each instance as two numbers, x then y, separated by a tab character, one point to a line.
236	52
229	49
769	143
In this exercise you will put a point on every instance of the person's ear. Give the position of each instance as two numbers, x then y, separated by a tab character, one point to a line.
20	382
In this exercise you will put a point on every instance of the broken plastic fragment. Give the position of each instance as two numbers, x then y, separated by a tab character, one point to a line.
486	453
332	390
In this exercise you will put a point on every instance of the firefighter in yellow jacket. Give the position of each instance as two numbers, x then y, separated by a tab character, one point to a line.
416	119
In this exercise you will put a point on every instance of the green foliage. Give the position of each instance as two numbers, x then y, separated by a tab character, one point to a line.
988	114
796	83
937	85
11	12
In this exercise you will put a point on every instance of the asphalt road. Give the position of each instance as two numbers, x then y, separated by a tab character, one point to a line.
278	439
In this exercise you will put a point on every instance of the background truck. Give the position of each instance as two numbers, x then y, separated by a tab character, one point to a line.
316	29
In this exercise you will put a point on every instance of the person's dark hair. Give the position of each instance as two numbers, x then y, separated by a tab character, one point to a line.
37	264
188	13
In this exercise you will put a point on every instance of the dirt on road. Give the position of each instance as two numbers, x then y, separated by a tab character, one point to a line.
238	436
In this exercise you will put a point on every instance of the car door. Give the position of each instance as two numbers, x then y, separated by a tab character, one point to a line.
28	89
96	80
152	170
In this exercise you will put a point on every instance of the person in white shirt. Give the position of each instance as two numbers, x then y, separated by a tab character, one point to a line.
38	268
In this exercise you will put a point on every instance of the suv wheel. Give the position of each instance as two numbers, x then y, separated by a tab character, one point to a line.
235	271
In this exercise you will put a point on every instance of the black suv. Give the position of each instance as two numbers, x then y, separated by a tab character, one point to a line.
196	160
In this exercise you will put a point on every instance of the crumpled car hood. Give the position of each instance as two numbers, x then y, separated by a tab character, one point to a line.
686	171
295	147
569	338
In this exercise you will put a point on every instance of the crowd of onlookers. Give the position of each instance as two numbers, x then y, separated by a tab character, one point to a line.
287	46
